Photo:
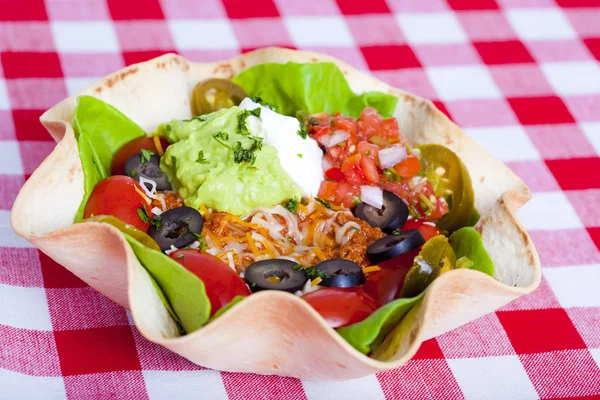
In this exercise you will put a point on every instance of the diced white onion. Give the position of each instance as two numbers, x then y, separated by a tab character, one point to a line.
392	156
195	245
172	249
150	192
337	137
156	211
372	195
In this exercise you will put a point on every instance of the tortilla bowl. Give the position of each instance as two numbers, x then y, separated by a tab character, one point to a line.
271	332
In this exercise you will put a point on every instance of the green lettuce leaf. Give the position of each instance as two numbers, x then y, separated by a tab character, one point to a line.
100	130
316	87
467	242
184	291
367	335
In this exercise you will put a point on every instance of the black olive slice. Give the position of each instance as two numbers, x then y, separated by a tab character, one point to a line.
392	246
391	216
177	227
275	274
138	166
340	273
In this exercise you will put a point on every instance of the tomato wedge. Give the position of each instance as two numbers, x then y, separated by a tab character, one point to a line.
428	230
341	307
221	282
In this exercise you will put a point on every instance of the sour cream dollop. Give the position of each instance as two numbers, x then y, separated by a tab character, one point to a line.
300	158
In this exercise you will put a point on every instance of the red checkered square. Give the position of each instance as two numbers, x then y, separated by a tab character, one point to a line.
429	350
584	108
560	141
135	9
551	247
585	21
435	381
540	110
538	324
94	65
74	10
462	5
357	7
521	80
7	128
16	10
261	386
20	266
10	185
57	276
587	320
134	57
26	36
593	44
35	93
155	357
390	57
144	35
108	385
432	55
442	107
374	30
413	80
569	176
541	298
483	112
507	52
535	174
595	236
578	3
486	25
28	126
83	308
31	65
259	32
250	9
483	337
563	373
28	351
89	351
585	203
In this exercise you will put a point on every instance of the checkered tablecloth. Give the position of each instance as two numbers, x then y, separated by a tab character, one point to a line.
520	76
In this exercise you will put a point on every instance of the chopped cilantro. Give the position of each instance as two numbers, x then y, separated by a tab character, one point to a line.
292	205
134	172
200	238
299	155
311	272
263	103
180	255
141	211
221	137
355	228
313	121
174	161
145	155
326	204
356	200
303	131
200	118
391	174
201	159
168	128
248	155
241	128
155	222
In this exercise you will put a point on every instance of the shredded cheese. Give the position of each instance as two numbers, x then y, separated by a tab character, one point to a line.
150	192
156	211
372	268
252	245
146	199
316	281
158	145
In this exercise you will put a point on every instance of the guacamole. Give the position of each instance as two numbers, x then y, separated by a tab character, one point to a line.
205	168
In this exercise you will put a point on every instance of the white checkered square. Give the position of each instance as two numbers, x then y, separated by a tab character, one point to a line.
4	102
592	132
354	389
431	28
506	143
207	34
85	37
330	31
8	237
168	385
24	307
596	355
575	286
549	211
492	378
463	82
74	85
540	24
10	162
573	78
17	386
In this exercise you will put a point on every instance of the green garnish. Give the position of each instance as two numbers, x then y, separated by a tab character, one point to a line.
145	155
201	159
326	204
263	103
311	272
180	255
174	161
426	204
134	172
355	228
200	238
391	174
299	155
142	214
241	128
303	131
248	155
220	137
168	128
292	205
313	121
155	222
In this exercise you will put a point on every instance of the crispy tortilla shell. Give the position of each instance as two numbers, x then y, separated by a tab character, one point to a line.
269	332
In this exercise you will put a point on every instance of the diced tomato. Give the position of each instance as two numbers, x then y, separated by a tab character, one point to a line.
410	167
346	193
327	191
120	197
352	170
341	307
222	284
369	169
345	124
400	189
368	122
131	148
368	149
389	130
428	230
334	174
